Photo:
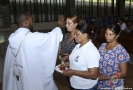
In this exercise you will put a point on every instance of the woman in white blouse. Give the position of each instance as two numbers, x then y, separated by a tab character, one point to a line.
84	60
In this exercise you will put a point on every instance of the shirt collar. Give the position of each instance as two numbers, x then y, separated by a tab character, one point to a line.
22	29
84	46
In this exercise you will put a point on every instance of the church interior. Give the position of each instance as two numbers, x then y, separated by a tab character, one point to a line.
45	17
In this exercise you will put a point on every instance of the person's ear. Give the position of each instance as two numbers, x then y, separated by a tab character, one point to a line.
27	22
85	35
76	24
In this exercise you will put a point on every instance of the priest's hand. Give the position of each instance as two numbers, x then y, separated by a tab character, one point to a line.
61	21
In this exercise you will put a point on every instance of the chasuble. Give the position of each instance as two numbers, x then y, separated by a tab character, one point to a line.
31	59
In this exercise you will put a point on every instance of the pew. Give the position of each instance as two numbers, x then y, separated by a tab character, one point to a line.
125	38
100	38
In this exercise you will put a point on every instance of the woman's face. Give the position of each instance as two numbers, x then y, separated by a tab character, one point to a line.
79	37
70	25
110	36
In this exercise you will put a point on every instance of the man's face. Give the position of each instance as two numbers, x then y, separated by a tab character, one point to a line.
30	24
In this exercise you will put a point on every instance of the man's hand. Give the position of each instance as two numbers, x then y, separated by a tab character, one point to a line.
61	21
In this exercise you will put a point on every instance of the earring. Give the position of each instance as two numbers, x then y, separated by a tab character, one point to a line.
117	36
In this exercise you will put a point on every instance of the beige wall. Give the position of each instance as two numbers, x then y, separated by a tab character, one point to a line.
39	26
36	26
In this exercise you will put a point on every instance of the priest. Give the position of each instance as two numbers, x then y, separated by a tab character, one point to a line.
31	56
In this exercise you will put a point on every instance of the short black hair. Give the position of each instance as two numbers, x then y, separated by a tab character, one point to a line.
122	19
85	28
115	28
21	17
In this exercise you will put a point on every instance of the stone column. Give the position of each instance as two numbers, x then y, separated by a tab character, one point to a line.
120	8
72	7
0	16
5	16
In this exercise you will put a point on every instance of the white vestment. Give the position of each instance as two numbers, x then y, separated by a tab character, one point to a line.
35	61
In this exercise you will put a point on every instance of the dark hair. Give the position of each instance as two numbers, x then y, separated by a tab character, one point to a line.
21	17
85	28
122	19
115	28
74	18
131	22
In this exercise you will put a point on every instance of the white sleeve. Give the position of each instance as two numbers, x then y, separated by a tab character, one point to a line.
55	34
123	27
58	32
92	60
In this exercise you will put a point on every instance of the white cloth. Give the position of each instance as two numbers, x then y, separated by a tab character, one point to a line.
37	56
81	59
123	26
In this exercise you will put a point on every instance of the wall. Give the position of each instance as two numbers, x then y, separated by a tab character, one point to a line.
39	26
0	21
5	15
3	47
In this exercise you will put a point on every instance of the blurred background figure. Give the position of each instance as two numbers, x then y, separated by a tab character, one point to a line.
112	19
96	25
106	21
88	19
129	27
122	23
